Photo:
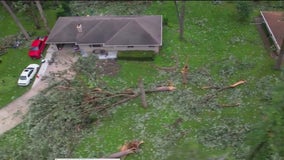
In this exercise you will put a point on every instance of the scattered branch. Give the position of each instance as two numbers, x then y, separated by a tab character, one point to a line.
229	105
227	87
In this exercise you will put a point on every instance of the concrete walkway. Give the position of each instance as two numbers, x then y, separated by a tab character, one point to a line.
13	113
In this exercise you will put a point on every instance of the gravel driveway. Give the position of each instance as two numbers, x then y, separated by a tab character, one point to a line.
13	113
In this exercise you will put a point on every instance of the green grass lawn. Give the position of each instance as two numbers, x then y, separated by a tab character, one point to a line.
215	42
11	67
15	60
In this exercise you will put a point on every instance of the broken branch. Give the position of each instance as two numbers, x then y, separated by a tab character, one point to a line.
207	98
227	87
184	72
229	105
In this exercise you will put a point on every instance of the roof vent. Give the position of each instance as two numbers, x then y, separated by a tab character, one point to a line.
79	27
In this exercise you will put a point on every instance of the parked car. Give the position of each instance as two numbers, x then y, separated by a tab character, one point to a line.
28	74
37	47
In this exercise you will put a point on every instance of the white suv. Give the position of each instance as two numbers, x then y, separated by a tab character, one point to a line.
28	74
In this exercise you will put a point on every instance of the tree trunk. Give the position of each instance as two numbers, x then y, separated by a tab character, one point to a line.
120	154
181	23
142	92
42	16
16	20
280	57
180	16
32	13
177	10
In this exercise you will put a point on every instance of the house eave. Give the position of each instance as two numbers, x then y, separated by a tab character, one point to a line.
270	32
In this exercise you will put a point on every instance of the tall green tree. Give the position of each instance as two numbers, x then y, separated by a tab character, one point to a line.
268	135
244	10
42	16
23	30
29	9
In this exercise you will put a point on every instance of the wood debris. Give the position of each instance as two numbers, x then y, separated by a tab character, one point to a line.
184	72
227	87
128	148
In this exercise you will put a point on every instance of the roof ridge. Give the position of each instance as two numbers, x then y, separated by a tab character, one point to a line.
157	41
96	26
118	32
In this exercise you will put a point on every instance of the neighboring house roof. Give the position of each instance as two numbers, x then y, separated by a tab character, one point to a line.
274	21
108	30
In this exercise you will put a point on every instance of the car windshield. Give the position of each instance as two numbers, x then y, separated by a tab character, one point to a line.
23	77
30	68
34	48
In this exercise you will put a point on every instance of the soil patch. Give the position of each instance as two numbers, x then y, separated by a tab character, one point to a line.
108	67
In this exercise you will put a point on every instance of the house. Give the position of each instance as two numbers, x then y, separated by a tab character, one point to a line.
106	35
274	22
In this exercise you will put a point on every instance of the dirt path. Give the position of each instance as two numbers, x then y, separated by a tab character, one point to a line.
13	113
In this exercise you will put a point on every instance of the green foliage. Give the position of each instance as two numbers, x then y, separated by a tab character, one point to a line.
65	10
136	55
85	65
165	21
267	137
28	8
244	10
6	20
93	8
51	4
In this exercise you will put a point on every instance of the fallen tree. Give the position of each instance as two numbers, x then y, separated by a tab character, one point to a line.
126	149
100	95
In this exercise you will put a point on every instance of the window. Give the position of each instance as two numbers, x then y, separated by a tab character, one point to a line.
23	77
97	45
31	71
40	44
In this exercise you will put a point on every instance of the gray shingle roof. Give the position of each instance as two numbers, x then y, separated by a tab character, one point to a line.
108	30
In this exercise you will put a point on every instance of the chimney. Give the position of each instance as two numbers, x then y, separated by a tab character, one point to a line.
79	27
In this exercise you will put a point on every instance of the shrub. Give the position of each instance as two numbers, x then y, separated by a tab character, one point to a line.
244	10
